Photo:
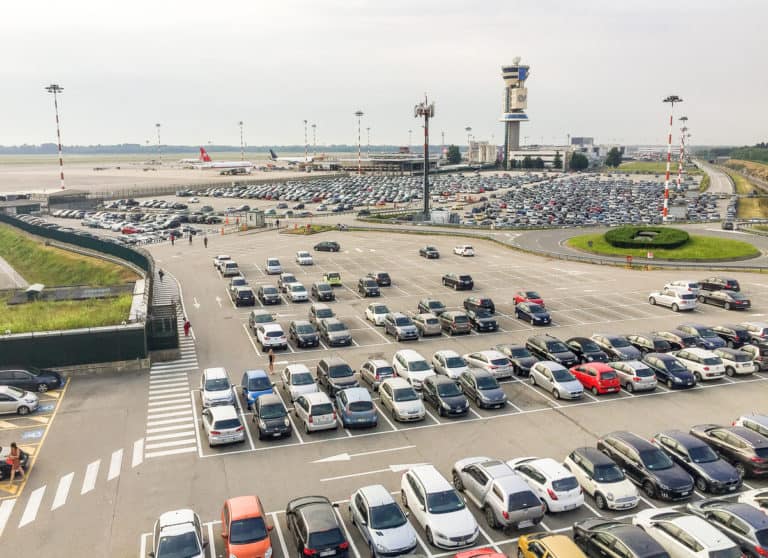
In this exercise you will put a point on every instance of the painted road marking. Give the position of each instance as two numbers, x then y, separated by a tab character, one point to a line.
138	452
166	428
33	504
89	482
31	434
61	492
173	443
5	512
170	414
171	435
169	452
114	464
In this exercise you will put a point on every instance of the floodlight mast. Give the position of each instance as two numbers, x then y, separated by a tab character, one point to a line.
56	89
683	130
672	99
426	110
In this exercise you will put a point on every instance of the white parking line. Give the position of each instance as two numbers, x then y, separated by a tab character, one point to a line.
33	504
248	335
170	444
279	531
115	464
211	546
62	490
346	532
170	436
242	414
138	452
6	507
383	415
184	412
89	482
149	455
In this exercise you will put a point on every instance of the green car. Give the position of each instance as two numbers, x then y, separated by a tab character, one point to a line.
332	278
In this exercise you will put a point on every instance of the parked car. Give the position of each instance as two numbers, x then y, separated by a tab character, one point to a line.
704	364
382	524
482	388
318	312
449	363
297	380
215	388
271	417
602	479
367	286
327	246
333	278
535	314
455	321
743	524
304	258
521	358
271	336
757	498
758	354
429	252
548	347
730	300
709	339
315	412
303	334
555	379
243	296
635	375
718	284
499	492
464	250
744	448
616	346
272	266
427	324
710	472
178	533
734	336
400	327
445	396
758	423
675	299
430	305
335	374
17	401
546	545
649	343
684	285
586	350
555	485
285	280
601	537
678	339
322	291
669	370
382	278
404	404
458	282
375	313
597	377
411	366
491	361
528	296
268	294
315	528
482	320
334	332
758	332
479	303
355	408
222	425
647	466
253	385
374	371
30	378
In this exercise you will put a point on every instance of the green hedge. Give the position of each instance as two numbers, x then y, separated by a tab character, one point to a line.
625	237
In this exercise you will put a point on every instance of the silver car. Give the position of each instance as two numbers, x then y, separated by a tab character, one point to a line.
315	411
382	524
222	425
556	379
374	371
427	324
634	375
399	397
15	400
449	363
491	361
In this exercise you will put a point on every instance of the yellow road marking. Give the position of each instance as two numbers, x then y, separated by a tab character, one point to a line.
6	424
41	420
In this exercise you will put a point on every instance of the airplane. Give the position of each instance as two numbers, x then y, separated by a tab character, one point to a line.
205	162
291	160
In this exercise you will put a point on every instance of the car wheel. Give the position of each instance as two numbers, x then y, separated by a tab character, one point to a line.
546	506
532	379
456	287
670	384
675	308
600	501
490	517
649	489
701	299
306	427
404	499
701	484
594	390
630	387
457	483
697	376
555	393
23	410
741	469
652	301
730	371
42	388
727	306
440	411
430	540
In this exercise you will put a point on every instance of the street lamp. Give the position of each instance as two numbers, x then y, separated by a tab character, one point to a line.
159	153
368	132
468	129
683	130
56	89
672	99
306	146
426	110
409	140
314	140
242	145
359	115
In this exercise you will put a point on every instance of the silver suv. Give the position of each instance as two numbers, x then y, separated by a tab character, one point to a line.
400	326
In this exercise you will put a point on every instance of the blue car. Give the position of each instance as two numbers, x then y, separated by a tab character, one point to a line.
531	312
254	384
669	370
355	408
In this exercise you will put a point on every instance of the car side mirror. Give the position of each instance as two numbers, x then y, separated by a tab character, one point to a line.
686	459
205	544
363	522
272	384
151	555
335	505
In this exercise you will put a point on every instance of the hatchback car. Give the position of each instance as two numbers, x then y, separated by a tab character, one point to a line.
430	305
445	395
297	380
375	313
382	278
268	294
222	425
492	361
253	385
734	335
704	364
178	533
482	388
635	375
327	246
381	523
258	317
744	448
335	374
597	377
616	346
482	320
30	378
272	266
586	350
297	292
322	291
680	340
606	537
548	347
454	322
555	485
669	370
401	399
334	332
555	379
736	361
449	363
243	528
521	358
303	334
304	258
533	313
527	296
271	336
649	343
479	302
18	401
427	324
367	286
315	528
333	278
374	371
675	299
318	312
458	282
743	524
271	417
429	252
215	388
685	285
400	327
602	479
315	412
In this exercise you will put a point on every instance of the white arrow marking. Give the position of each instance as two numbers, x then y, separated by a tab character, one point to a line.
391	469
218	301
196	304
348	456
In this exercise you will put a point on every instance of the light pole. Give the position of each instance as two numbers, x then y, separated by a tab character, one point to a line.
468	129
427	111
368	132
56	89
159	153
242	145
672	99
409	140
306	145
683	130
442	144
359	115
314	140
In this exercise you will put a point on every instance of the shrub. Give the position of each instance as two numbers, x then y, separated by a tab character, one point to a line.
646	237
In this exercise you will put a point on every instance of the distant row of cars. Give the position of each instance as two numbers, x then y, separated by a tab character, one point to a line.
683	294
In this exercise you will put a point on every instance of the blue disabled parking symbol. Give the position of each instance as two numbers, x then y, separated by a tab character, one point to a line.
46	407
32	434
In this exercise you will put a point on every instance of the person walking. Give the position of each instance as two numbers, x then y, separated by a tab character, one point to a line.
173	239
187	327
271	356
15	462
190	239
205	241
161	274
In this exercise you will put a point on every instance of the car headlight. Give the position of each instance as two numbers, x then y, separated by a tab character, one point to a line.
268	553
381	548
445	405
609	496
439	534
262	424
677	380
30	401
286	422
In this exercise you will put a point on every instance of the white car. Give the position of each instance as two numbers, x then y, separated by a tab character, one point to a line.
15	400
703	364
602	479
675	299
217	261
756	422
315	411
492	361
411	366
194	200
297	292
757	497
272	266
684	285
178	533
401	400
464	250
553	484
271	335
222	425
443	514
215	388
298	380
736	362
684	535
376	312
304	258
449	363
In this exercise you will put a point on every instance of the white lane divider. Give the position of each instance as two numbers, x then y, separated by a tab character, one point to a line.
6	507
114	464
62	491
89	482
138	452
33	504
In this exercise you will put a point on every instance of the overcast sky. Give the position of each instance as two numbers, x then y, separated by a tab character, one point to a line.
598	68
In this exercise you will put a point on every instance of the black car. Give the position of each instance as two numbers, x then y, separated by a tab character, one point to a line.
649	343
679	339
444	395
458	282
709	339
270	417
531	312
367	287
429	252
586	350
719	284
734	335
479	302
327	246
730	300
669	370
303	333
744	448
322	291
5	467
599	538
334	332
520	357
548	347
243	296
616	346
481	387
430	306
744	524
335	374
482	320
268	294
709	471
315	528
30	378
382	278
647	466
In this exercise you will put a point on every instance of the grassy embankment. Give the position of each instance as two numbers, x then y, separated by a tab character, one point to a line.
748	208
653	167
50	266
698	248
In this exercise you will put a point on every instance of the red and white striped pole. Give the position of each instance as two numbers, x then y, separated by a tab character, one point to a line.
359	115
683	130
672	99
55	89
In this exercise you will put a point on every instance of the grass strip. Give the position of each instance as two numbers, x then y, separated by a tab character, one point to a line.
698	248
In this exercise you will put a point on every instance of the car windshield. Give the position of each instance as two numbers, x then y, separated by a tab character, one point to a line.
483	313
562	375
239	282
272	411
302	379
455	362
262	318
730	552
289	279
387	516
246	531
500	362
324	539
273	263
184	545
259	383
762	537
531	294
674	367
741	357
403	321
444	502
227	424
16	392
360	406
297	288
324	313
568	483
216	384
536	309
405	394
303	254
557	347
762	452
340	371
465	278
706	332
431	248
380	310
436	304
305	328
269	290
370	283
461	319
333	276
711	361
520	352
487	382
448	389
656	460
523	500
337	326
608	473
418	366
321	409
618	342
275	334
702	454
324	287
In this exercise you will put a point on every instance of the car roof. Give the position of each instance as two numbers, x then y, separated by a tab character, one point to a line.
320	306
241	507
334	360
447	353
550	364
357	394
559	545
698	351
176	517
431	478
271	327
377	362
491	353
760	419
410	354
297	367
701	530
316	398
217	372
376	495
687	440
269	399
594	455
301	322
223	412
397	382
257	373
439	379
631	438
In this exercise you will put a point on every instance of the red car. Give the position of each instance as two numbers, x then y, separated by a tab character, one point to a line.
528	296
129	230
597	377
480	553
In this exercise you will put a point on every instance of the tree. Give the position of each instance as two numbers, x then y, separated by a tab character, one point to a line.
527	162
557	163
613	159
579	162
454	155
538	163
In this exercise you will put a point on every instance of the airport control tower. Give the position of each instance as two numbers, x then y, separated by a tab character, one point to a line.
515	103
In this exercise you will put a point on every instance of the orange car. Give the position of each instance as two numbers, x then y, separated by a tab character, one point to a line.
245	533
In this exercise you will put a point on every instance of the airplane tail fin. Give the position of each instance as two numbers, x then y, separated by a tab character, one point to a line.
273	155
204	155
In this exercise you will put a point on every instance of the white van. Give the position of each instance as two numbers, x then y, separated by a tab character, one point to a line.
229	269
